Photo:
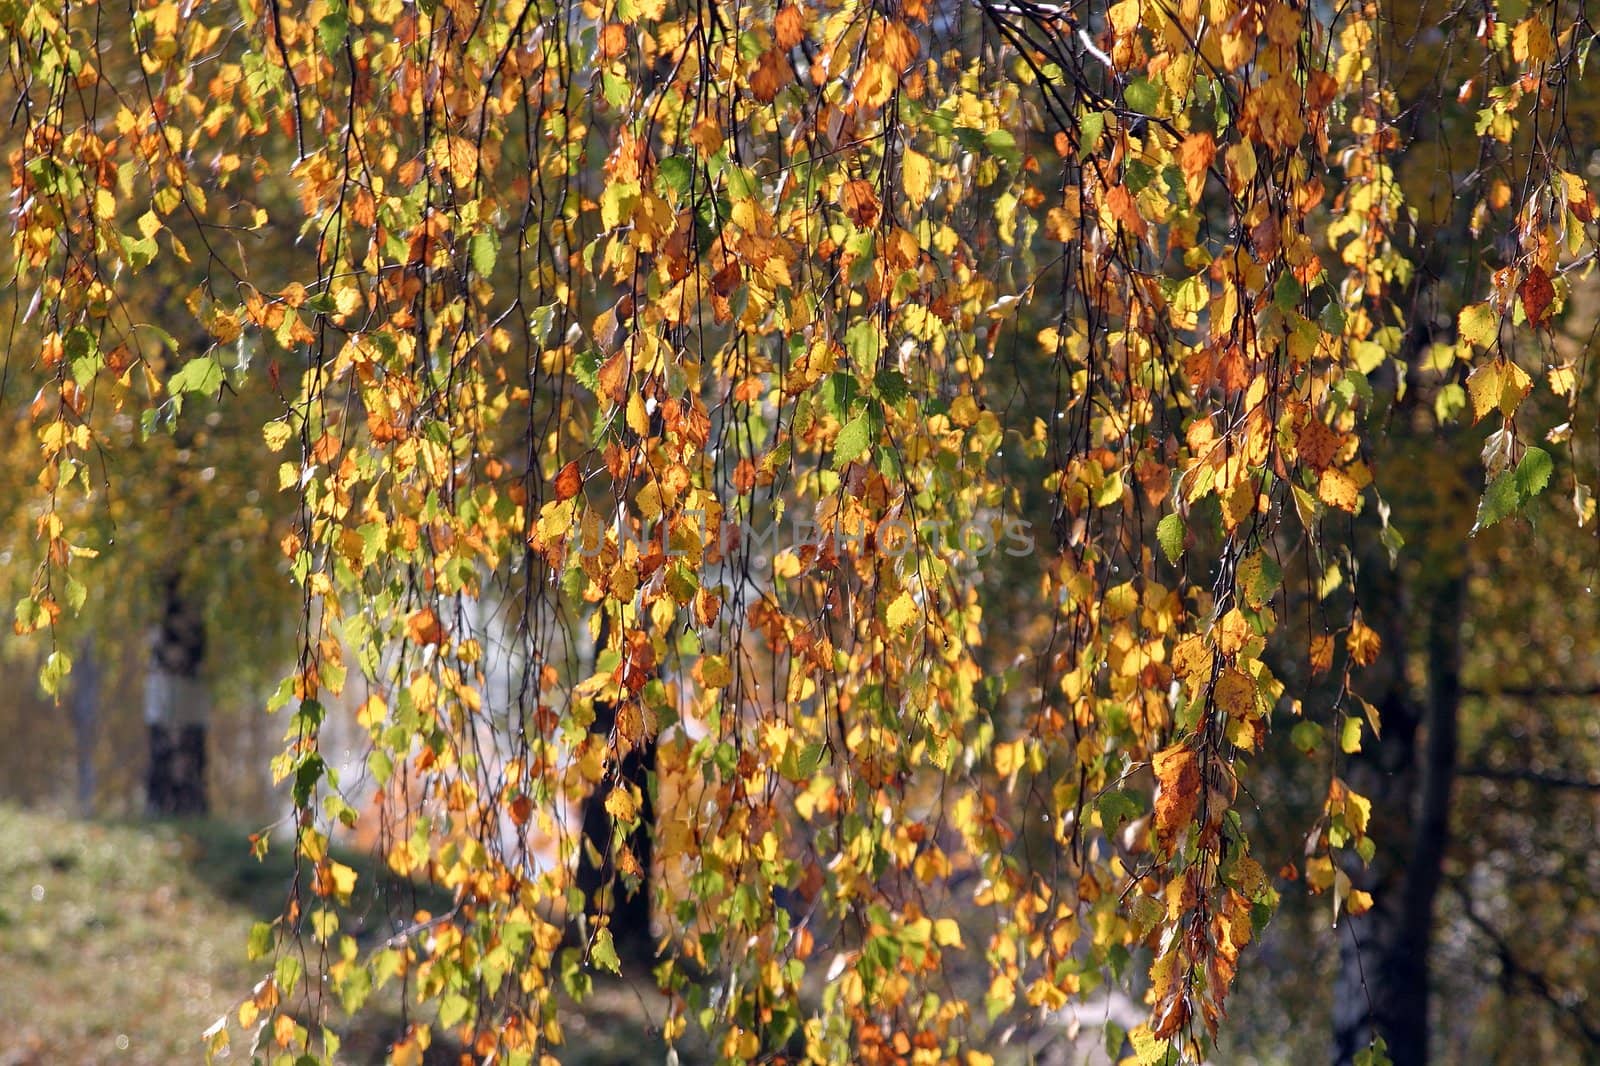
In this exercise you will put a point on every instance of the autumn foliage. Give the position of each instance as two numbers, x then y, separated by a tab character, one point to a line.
680	365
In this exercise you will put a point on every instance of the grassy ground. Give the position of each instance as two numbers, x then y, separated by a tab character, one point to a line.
111	949
120	943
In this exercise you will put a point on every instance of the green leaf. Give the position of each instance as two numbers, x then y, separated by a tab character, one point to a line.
1260	575
1533	473
891	386
1142	96
617	203
1170	533
1477	324
1350	735
864	341
604	952
1511	491
1090	126
452	1009
202	375
485	250
1002	143
1306	737
260	941
288	972
1287	294
675	174
56	669
1499	500
852	441
1117	807
333	30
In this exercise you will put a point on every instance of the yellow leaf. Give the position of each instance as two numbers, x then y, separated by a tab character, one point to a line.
1363	643
1009	757
1336	489
964	410
621	806
946	933
1241	166
1563	379
901	613
714	672
1530	42
638	417
344	880
1124	17
1235	694
1233	632
164	21
1191	659
1498	383
916	176
347	301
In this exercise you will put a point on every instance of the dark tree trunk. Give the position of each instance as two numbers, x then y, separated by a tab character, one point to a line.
1383	982
606	889
176	708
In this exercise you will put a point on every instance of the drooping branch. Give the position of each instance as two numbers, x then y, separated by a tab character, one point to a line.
1531	978
1523	775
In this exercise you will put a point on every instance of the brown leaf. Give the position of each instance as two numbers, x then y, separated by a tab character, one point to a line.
1318	443
568	482
1537	294
772	73
860	202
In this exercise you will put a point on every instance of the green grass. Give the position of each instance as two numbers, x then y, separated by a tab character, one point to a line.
112	949
121	942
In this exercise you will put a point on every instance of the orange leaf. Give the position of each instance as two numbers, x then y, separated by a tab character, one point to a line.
1194	158
568	482
613	40
1177	793
1363	642
1120	202
423	627
789	28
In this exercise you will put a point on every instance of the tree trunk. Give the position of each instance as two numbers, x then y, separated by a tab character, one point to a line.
176	708
83	704
1383	983
606	890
